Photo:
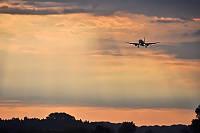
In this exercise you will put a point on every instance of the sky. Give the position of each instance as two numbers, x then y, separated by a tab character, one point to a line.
71	56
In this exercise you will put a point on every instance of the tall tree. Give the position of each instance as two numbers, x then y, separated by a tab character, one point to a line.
195	126
197	111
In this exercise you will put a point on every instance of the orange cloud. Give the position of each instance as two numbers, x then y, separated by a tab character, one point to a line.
59	58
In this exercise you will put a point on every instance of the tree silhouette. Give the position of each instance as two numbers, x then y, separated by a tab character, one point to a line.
197	111
65	123
195	126
127	127
60	116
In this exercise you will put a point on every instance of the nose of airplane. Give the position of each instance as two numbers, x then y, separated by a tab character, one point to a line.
140	41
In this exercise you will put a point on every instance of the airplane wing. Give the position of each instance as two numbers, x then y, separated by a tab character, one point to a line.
149	43
133	43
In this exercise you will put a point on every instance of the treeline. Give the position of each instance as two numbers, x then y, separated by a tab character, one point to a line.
62	123
65	123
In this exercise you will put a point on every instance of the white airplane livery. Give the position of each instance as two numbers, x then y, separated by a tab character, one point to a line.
142	43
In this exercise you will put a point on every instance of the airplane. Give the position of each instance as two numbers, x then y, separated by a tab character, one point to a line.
142	43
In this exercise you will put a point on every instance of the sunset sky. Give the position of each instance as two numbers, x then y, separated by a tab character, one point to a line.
71	56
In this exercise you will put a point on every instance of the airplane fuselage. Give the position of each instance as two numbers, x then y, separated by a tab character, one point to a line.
142	43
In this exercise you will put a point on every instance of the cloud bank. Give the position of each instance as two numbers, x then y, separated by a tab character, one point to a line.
186	50
160	8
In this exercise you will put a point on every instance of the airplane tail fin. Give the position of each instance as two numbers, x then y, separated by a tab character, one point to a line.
144	39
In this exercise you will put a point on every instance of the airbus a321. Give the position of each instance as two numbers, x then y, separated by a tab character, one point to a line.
142	43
